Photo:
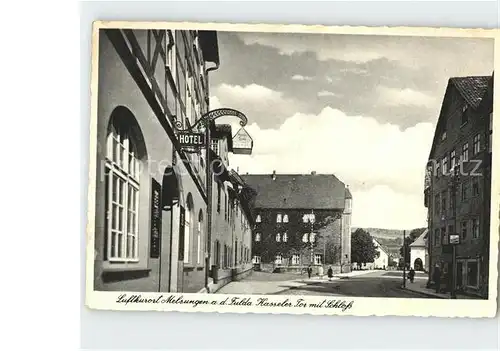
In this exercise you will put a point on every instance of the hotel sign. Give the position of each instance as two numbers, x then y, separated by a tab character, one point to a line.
242	143
188	139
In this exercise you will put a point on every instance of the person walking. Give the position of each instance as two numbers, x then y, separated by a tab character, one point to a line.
411	274
436	277
330	273
309	272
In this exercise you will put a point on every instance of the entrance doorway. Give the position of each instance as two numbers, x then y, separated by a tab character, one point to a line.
418	265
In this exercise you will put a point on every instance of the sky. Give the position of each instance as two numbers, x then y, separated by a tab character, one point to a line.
361	107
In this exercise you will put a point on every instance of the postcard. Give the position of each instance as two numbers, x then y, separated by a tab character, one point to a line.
293	169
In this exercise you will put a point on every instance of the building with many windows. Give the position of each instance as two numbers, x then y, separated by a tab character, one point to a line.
300	220
458	184
150	194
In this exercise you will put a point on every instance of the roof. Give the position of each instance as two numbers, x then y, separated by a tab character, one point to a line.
298	191
225	130
381	247
420	241
471	88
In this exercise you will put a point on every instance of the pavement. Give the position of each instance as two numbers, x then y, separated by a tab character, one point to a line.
421	288
356	283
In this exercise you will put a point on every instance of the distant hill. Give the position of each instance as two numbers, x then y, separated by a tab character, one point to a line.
391	239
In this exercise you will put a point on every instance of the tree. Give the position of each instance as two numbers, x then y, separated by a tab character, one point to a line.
362	247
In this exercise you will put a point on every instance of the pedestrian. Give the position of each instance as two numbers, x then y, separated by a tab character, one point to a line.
436	277
411	274
309	271
330	273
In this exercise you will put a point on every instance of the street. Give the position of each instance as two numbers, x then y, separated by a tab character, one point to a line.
359	284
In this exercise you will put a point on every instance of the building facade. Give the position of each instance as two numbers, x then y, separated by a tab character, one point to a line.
381	260
150	196
419	255
458	184
300	220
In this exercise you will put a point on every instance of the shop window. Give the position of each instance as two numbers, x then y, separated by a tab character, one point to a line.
122	201
472	273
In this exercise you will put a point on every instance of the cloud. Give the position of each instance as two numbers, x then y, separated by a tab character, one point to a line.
358	150
299	77
405	97
324	93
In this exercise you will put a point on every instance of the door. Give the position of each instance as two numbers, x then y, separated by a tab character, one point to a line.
459	276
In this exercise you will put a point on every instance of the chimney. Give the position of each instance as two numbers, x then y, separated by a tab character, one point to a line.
313	173
274	175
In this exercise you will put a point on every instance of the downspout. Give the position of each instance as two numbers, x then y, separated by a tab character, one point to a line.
208	182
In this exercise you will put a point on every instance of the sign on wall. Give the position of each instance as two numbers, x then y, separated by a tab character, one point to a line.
155	247
189	139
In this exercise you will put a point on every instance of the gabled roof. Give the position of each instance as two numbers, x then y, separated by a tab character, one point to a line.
381	247
471	89
420	241
297	191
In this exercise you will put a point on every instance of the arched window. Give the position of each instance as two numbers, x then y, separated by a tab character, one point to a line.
285	218
187	228
305	238
258	219
199	245
122	201
278	237
285	237
257	237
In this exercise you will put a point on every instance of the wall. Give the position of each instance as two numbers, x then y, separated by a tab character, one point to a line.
418	252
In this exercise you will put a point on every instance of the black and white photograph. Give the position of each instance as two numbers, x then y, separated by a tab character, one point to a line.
293	169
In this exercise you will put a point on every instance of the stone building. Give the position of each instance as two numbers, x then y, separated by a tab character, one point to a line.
300	220
150	197
458	184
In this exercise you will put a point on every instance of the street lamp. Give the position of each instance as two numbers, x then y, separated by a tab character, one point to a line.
206	120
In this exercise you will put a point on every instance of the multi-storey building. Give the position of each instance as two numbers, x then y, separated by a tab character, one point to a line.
150	194
458	184
300	220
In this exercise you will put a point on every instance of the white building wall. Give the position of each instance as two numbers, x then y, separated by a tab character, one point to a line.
417	252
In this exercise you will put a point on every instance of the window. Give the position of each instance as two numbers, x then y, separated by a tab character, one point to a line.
475	228
187	230
452	199
490	140
475	187
215	146
436	204
305	238
472	273
465	191
464	229
464	157
285	218
445	165
278	259
436	237
443	202
285	237
278	218
312	237
438	167
256	260
198	235
257	237
464	113
308	218
443	236
476	144
218	196
295	259
317	259
258	219
453	159
122	167
278	237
